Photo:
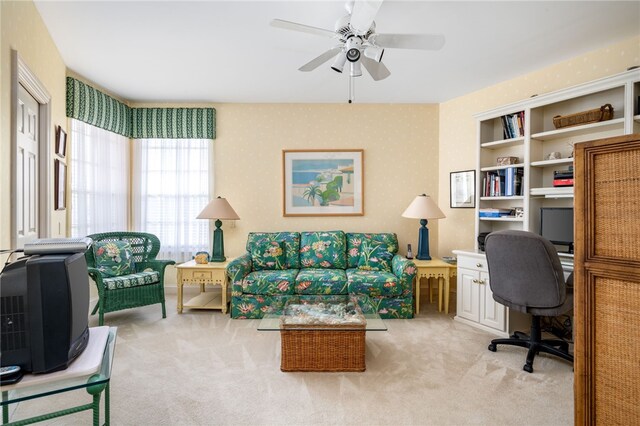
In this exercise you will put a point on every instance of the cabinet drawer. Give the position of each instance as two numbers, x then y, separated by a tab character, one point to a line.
475	263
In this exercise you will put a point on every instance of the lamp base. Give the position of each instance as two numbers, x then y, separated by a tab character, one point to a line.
217	252
423	241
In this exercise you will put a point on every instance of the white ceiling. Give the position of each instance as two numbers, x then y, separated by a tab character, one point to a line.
226	51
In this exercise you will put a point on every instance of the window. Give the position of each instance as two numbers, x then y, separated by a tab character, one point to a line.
99	172
170	188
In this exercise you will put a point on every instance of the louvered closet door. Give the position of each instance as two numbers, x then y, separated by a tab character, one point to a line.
607	281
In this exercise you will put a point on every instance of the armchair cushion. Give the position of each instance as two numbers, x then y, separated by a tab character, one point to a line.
131	280
321	281
268	255
323	250
114	258
373	283
375	257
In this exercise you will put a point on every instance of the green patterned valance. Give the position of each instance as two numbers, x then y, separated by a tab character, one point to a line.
90	105
174	123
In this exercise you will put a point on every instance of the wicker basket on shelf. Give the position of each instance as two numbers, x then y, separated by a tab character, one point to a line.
604	113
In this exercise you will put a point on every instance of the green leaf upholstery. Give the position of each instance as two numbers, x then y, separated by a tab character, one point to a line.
268	255
270	282
373	283
144	286
323	250
114	258
356	239
291	245
131	280
321	281
375	257
326	264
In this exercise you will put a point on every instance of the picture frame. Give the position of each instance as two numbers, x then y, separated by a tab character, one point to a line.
61	142
462	189
323	182
60	182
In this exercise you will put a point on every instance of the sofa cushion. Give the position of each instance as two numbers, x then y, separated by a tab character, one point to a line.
131	280
355	240
114	258
372	283
321	281
326	249
291	245
268	255
375	257
270	282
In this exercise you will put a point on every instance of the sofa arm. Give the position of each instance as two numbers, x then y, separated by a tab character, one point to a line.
237	269
405	270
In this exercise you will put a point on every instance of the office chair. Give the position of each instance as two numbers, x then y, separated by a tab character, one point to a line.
525	274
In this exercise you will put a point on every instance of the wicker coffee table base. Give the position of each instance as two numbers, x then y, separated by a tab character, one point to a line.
323	350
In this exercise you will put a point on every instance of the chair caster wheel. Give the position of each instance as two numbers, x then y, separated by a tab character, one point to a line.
492	347
528	368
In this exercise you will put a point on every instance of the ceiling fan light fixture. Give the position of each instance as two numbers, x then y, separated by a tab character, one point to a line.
356	69
374	52
353	54
338	64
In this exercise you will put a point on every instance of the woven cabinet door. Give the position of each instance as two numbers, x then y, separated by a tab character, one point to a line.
607	281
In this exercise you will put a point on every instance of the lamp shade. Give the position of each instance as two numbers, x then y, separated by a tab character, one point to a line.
218	208
423	207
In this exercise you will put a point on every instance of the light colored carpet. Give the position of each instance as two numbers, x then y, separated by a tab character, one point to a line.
202	368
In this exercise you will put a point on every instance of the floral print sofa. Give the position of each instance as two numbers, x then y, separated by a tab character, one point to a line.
279	265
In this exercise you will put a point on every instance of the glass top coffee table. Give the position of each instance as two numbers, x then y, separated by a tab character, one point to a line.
323	333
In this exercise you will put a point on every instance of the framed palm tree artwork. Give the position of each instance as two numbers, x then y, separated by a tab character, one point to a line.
323	182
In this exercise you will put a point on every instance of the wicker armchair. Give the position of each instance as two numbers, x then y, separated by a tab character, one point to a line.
144	287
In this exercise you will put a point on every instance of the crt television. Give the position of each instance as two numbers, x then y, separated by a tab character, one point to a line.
556	225
44	310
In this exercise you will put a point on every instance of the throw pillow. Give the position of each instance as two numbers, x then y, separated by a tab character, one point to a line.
114	258
267	255
375	257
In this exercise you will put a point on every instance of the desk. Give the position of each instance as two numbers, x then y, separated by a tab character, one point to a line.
212	273
434	268
90	371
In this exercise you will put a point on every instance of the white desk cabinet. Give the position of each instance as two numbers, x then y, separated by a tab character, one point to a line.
475	304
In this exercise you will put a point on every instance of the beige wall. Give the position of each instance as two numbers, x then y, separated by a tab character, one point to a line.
22	29
400	145
458	127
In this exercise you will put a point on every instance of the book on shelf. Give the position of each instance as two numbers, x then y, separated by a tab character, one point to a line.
513	125
503	183
494	212
563	182
558	190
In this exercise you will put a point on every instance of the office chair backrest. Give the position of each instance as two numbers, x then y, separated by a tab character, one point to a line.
524	270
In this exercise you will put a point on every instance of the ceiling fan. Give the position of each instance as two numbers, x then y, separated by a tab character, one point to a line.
358	42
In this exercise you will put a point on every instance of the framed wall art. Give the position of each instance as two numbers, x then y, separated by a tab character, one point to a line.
61	142
323	182
60	182
463	194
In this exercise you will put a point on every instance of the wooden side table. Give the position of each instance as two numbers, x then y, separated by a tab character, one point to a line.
434	268
212	273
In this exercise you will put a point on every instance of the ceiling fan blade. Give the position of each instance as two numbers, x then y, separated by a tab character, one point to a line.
377	69
409	41
364	11
315	63
288	25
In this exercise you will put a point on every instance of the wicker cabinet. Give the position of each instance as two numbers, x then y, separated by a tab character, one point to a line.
607	281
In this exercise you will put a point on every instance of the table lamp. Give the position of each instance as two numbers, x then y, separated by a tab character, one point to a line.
423	208
218	209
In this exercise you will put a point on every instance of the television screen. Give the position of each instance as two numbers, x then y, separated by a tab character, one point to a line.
556	225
